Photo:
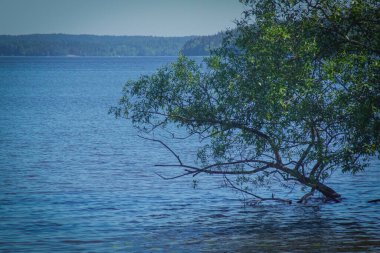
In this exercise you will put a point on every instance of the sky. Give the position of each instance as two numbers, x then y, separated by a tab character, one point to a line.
118	17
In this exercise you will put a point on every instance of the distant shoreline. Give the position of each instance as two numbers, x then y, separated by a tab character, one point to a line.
88	56
66	45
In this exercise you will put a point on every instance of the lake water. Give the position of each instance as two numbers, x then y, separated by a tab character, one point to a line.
74	179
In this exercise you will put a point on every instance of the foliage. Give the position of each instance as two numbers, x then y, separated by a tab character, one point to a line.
293	93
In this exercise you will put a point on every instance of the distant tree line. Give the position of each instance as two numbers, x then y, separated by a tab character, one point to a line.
93	45
201	45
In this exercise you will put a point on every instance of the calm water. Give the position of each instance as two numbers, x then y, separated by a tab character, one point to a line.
74	179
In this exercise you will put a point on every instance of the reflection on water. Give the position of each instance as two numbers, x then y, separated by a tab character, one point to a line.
74	179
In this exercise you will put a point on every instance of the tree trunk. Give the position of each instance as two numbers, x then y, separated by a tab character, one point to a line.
329	193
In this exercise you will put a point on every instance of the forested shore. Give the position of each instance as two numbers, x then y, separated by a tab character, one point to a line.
94	45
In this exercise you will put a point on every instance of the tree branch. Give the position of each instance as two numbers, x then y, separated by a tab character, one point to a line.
178	176
228	125
304	155
288	201
166	146
306	196
207	169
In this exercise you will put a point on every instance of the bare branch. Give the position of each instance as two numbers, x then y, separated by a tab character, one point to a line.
166	146
228	124
245	161
220	172
178	176
306	196
254	195
315	168
306	152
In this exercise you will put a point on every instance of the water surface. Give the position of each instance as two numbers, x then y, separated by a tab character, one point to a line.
72	178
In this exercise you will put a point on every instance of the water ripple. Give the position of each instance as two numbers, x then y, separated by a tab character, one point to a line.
74	179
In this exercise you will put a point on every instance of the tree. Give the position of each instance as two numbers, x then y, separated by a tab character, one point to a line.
293	93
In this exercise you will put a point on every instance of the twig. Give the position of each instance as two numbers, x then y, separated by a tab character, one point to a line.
166	146
178	176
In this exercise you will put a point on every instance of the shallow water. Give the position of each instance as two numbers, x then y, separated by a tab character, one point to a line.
72	178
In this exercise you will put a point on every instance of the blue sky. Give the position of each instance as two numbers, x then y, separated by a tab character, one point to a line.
118	17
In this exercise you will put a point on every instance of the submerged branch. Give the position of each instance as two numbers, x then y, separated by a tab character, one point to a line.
305	197
288	201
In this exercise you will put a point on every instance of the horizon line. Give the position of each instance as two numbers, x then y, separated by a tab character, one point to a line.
109	35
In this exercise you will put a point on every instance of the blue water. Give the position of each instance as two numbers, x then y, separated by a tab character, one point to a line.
74	179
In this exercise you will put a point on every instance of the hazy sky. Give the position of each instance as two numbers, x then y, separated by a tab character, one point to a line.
118	17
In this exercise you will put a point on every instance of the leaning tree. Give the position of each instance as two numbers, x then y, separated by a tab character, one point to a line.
292	93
